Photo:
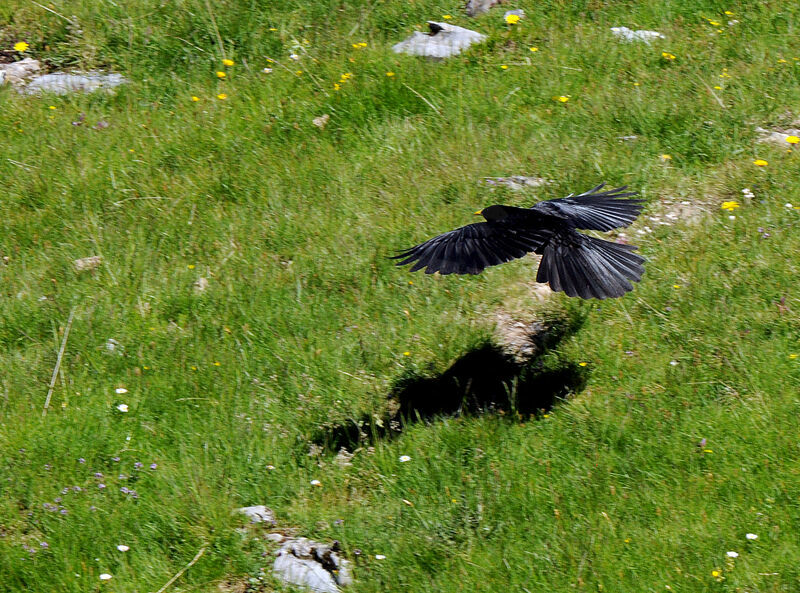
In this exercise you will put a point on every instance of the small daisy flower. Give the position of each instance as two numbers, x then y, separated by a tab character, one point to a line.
123	548
123	408
732	554
294	57
316	483
404	458
751	536
380	557
105	577
121	390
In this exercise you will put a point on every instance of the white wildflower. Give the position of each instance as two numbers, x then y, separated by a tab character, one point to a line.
404	458
122	407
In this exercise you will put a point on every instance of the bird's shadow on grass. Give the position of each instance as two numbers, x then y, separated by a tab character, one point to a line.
486	379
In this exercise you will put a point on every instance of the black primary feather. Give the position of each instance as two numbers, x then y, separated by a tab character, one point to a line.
577	264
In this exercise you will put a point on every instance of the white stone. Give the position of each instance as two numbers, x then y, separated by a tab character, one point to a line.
443	41
626	34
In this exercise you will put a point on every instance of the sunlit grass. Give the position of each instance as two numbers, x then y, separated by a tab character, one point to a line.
213	391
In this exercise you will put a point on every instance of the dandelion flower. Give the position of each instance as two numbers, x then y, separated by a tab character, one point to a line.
404	458
53	107
195	99
561	98
665	157
123	408
336	86
792	139
221	74
123	548
582	364
732	554
406	353
504	67
751	536
227	62
21	46
446	17
222	96
715	573
793	356
534	48
667	56
390	74
730	206
512	19
760	163
105	577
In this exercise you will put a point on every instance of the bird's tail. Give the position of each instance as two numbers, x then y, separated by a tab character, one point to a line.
588	267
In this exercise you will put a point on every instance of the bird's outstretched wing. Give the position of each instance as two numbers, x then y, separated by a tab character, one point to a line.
595	210
471	248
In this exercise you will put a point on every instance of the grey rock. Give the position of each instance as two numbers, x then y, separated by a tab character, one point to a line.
62	83
626	34
313	565
16	72
476	7
277	538
777	136
258	514
443	41
516	182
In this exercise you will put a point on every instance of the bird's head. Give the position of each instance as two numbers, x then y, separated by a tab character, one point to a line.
493	212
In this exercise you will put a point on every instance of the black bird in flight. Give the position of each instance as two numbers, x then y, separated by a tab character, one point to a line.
572	262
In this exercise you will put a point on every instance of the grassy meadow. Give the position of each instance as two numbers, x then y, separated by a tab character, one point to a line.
245	313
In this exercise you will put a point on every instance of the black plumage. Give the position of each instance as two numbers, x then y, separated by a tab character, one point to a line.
572	262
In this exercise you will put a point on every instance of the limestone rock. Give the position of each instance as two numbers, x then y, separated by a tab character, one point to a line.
626	34
16	72
516	182
62	83
476	7
443	41
777	136
313	565
258	514
87	263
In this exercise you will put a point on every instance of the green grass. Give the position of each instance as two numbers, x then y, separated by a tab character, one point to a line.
305	324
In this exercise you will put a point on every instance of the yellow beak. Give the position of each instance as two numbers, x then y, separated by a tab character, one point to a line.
478	213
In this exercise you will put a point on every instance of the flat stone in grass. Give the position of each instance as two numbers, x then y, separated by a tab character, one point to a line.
258	514
62	83
777	136
16	72
629	35
443	41
516	182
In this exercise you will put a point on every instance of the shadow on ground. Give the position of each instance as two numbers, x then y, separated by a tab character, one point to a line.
486	379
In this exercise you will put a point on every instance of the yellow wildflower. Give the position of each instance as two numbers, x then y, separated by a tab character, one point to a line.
221	75
729	13
195	99
446	17
667	56
582	364
227	62
793	356
561	98
53	107
21	46
534	49
665	157
715	573
714	23
730	206
222	96
406	353
512	19
760	163
792	139
336	86
390	74
504	67
781	61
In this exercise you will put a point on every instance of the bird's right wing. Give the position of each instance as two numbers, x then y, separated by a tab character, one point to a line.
595	210
471	248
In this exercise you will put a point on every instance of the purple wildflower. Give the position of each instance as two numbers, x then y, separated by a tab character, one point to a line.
81	460
138	465
64	511
124	490
115	459
153	465
77	488
123	477
101	486
44	545
93	508
48	467
57	499
98	475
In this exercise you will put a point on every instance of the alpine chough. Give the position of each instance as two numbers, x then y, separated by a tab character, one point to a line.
572	262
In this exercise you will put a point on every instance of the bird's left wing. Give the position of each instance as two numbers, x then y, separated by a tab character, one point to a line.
595	210
471	248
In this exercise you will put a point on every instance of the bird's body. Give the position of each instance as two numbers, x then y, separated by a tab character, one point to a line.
578	264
